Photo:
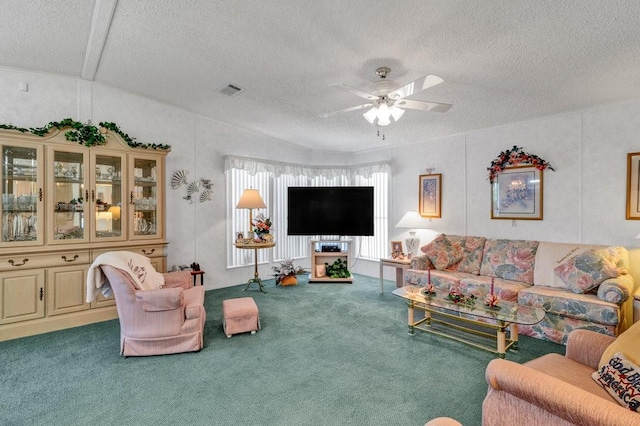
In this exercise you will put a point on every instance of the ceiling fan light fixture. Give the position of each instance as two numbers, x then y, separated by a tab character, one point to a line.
396	112
371	115
383	112
383	121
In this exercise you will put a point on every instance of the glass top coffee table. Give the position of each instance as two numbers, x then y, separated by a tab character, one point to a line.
468	323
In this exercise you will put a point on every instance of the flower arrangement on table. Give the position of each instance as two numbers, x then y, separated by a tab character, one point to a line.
286	273
261	227
492	300
460	299
429	290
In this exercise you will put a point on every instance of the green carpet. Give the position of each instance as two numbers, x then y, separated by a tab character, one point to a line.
327	354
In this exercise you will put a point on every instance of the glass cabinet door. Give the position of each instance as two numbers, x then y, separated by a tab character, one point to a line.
69	196
144	198
21	194
107	196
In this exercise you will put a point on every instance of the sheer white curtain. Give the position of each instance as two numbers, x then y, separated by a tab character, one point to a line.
287	247
238	219
272	178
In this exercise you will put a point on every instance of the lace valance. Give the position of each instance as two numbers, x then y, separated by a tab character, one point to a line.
278	168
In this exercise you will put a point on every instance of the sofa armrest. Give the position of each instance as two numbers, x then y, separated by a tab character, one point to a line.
586	346
555	396
616	290
421	263
165	299
178	279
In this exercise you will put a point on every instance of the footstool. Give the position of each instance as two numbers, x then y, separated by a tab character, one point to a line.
240	316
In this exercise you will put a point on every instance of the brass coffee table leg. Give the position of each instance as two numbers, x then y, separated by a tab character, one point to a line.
410	317
501	338
513	336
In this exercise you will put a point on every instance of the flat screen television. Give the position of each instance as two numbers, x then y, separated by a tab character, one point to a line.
330	210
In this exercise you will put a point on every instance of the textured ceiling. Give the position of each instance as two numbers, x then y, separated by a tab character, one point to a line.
502	61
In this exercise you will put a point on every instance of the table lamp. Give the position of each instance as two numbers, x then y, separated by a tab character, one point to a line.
412	220
251	199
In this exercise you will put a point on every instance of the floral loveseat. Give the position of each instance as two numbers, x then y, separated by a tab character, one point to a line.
579	286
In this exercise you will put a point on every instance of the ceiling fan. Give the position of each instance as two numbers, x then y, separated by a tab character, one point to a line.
388	100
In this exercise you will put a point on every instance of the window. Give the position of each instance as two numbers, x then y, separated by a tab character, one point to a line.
272	181
375	247
238	219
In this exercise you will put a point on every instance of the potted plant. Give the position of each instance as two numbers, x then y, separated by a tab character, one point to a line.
286	273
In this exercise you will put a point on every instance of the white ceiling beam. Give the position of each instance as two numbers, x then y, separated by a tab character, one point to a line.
102	16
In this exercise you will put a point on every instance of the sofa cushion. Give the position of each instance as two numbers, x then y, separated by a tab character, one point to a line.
480	286
627	343
472	248
621	378
568	371
566	303
586	271
509	259
442	253
549	255
556	328
441	280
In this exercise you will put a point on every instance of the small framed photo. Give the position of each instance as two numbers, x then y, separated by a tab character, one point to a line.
516	193
430	195
396	249
321	271
633	186
239	237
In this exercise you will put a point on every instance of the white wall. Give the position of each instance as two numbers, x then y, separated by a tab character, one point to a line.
584	199
197	232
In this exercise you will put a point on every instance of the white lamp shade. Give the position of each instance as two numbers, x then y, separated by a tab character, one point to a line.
412	220
384	121
383	111
251	199
371	115
396	112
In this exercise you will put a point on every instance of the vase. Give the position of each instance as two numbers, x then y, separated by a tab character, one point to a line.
289	280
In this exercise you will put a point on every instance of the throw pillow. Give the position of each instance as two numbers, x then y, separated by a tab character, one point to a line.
621	378
442	253
587	270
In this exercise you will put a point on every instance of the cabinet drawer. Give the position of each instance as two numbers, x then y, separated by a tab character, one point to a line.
151	250
30	261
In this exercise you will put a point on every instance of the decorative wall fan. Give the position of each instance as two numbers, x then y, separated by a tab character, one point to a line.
388	100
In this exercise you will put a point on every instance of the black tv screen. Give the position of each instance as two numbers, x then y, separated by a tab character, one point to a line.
330	210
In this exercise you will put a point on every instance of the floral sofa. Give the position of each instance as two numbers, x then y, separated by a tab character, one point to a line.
579	286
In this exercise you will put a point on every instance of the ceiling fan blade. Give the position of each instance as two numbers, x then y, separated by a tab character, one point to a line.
422	105
354	108
415	86
354	91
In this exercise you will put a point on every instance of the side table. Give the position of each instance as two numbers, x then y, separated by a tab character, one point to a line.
194	274
401	266
255	246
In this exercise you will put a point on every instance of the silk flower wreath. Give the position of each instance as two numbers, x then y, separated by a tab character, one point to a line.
514	157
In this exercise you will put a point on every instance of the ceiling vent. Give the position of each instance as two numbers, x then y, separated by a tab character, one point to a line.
230	89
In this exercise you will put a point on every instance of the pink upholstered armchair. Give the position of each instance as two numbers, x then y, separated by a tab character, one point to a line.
155	322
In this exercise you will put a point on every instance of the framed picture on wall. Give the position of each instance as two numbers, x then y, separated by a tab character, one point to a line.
430	195
516	193
633	186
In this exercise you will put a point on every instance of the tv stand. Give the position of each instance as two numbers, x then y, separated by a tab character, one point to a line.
319	258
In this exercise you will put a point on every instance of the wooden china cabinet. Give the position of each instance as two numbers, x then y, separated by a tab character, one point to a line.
63	204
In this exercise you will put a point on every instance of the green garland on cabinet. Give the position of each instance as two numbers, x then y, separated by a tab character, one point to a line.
85	134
